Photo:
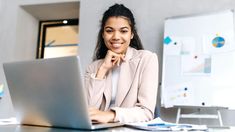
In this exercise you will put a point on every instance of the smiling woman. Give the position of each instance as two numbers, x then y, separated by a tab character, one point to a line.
122	81
117	34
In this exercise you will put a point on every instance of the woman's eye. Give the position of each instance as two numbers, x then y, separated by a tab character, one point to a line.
108	31
124	31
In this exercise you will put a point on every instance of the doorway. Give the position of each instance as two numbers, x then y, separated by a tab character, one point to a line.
58	38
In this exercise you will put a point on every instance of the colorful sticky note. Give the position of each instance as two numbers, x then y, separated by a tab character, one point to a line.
1	90
167	40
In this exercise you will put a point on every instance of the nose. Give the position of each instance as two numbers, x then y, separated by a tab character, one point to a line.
116	36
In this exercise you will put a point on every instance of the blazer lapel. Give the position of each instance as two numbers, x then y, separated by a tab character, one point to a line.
108	90
127	74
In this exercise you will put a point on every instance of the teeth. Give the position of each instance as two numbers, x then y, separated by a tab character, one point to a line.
116	45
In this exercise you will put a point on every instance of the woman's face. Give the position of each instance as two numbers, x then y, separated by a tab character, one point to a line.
117	34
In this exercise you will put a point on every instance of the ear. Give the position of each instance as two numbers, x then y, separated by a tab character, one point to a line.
132	35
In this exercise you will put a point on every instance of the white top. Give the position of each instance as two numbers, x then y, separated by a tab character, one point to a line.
115	78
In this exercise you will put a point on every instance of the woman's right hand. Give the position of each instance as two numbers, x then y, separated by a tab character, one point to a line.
98	116
111	60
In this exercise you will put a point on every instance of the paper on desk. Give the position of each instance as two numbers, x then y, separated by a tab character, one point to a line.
159	124
8	121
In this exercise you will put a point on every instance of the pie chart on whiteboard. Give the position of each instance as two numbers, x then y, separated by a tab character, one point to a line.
218	42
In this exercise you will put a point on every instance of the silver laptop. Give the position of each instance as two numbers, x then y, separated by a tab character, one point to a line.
50	92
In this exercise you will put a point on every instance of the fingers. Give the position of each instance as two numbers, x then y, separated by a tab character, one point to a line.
116	59
122	56
95	115
114	62
112	59
98	116
92	111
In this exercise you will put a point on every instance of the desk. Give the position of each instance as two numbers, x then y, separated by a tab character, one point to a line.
19	128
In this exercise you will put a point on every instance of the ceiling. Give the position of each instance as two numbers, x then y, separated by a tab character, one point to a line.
54	11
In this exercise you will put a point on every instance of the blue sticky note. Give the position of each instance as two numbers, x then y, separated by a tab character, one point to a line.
167	40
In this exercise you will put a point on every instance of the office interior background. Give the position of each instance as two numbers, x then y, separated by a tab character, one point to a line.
19	31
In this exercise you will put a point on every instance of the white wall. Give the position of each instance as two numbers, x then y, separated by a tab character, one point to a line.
38	2
19	32
18	42
150	16
7	40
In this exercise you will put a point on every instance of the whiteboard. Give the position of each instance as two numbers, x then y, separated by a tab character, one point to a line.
199	61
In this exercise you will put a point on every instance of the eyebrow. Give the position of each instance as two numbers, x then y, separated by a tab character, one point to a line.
120	28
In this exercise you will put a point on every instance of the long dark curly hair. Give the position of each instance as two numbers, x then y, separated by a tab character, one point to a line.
117	10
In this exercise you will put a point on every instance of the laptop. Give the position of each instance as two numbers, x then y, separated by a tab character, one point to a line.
50	92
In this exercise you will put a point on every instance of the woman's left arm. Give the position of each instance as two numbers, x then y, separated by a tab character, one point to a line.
147	93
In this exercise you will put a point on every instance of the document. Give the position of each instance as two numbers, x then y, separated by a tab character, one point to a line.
159	124
8	121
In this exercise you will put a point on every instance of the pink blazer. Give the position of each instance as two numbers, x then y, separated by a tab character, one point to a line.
137	87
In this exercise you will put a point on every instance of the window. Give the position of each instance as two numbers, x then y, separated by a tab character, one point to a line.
58	38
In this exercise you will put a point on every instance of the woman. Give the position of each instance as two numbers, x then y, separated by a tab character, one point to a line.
122	81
